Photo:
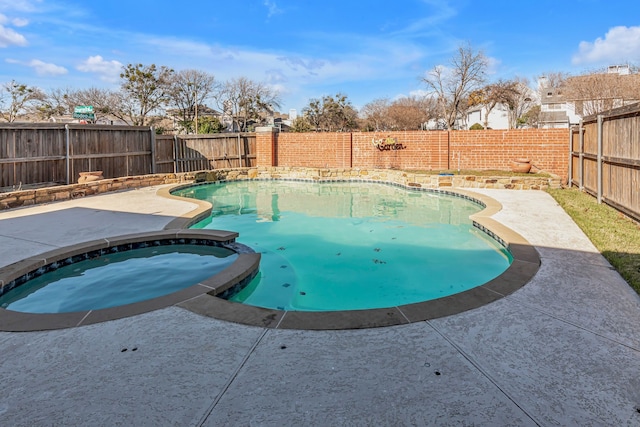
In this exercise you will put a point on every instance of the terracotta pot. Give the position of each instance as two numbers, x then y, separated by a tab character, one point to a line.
90	176
521	166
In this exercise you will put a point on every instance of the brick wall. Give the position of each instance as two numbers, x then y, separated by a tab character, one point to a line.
418	150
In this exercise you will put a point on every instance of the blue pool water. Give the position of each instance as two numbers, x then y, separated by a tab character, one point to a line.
118	278
350	246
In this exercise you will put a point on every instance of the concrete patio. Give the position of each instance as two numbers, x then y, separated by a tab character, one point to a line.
563	350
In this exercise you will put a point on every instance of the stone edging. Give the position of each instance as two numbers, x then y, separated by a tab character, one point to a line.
31	197
14	199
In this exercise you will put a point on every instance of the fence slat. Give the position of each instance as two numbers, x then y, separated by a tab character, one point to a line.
51	153
612	148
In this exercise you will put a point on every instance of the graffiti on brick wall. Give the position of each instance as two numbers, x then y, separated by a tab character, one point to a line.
387	144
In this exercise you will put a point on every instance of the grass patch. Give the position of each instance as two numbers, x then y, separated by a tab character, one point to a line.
615	235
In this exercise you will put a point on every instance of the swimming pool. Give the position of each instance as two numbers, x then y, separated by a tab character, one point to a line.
121	276
117	277
352	245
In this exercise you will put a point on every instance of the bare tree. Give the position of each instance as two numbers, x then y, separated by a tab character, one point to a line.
452	85
244	100
189	89
402	114
374	115
521	101
553	80
17	98
105	102
487	98
599	91
411	113
56	103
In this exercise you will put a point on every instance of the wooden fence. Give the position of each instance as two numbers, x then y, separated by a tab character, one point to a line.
46	154
605	158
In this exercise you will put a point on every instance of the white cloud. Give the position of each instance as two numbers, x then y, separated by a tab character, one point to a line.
272	7
9	37
620	44
46	69
20	22
108	71
20	5
42	68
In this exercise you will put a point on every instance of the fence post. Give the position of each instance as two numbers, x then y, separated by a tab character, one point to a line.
175	153
239	152
581	158
570	156
153	150
67	137
599	166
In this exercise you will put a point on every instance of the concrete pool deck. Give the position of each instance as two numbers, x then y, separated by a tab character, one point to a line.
562	350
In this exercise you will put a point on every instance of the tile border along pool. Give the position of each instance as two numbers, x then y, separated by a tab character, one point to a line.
526	262
243	269
202	298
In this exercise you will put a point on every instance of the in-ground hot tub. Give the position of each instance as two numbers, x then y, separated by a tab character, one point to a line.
122	276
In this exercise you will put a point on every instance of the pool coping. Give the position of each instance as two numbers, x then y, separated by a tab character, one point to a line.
525	265
240	272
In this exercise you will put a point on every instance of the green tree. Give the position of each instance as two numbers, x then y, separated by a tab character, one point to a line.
17	98
331	114
209	125
531	118
301	124
145	88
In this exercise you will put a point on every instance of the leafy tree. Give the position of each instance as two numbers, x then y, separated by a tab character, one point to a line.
244	100
453	84
209	125
145	88
331	114
476	126
17	98
531	118
301	124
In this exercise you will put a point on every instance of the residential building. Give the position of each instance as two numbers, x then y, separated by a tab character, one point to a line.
498	117
555	111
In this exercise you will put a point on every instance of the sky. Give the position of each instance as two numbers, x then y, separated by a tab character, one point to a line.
307	49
